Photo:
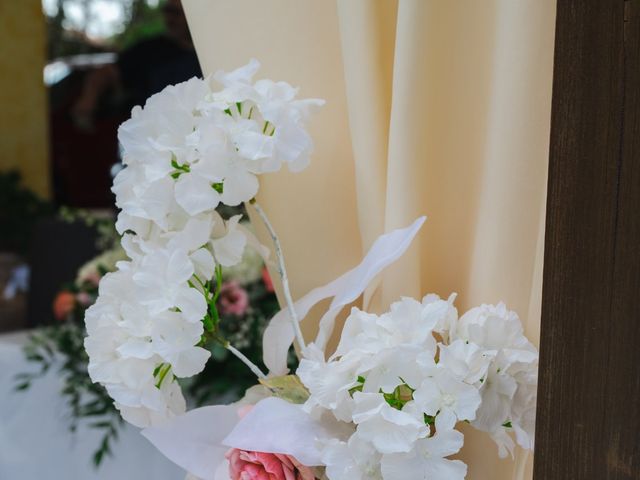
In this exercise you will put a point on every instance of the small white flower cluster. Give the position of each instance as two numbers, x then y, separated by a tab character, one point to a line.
402	381
189	149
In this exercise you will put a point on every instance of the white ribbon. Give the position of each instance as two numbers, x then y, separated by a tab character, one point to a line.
279	335
198	440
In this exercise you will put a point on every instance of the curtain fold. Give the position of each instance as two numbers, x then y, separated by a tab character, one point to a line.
433	107
367	33
314	212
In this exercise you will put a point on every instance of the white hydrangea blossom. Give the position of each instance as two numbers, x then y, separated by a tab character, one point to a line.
508	389
187	150
405	378
352	460
427	459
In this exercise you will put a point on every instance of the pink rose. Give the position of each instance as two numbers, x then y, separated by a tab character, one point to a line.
245	465
234	300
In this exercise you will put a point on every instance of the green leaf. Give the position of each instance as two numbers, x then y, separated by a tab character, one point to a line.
23	386
357	388
287	387
208	323
103	424
400	396
164	370
97	457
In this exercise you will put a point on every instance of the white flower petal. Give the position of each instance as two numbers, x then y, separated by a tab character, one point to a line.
179	268
239	187
388	429
192	304
254	145
203	263
189	362
228	250
195	194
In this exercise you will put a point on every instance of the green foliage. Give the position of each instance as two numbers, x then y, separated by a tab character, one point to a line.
358	387
397	399
144	21
429	419
62	346
225	375
141	21
400	396
20	210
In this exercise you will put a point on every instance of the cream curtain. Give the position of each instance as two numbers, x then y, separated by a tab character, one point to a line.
433	107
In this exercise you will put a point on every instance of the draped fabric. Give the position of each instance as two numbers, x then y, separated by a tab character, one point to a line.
433	107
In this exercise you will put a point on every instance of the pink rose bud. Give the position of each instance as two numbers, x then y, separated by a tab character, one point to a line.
234	300
244	465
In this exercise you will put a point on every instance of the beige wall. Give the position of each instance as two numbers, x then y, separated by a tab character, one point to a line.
23	104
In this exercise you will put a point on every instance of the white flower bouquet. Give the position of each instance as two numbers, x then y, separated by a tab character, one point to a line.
385	404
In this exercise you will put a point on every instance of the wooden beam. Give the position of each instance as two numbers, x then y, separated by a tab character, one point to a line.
588	421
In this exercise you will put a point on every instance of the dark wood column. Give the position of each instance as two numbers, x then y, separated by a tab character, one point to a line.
588	423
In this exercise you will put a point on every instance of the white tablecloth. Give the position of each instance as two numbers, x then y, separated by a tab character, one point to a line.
35	442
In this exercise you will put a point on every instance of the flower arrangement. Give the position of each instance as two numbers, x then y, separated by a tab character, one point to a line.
385	404
247	301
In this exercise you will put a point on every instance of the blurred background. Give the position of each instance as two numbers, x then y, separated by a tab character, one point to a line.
70	72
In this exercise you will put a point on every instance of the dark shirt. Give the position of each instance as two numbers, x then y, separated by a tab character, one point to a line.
150	65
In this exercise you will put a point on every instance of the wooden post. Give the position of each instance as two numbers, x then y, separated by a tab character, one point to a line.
588	421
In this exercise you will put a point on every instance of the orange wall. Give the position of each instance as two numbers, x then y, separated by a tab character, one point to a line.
23	102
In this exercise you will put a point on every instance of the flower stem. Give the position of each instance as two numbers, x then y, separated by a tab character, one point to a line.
163	370
283	274
252	366
211	324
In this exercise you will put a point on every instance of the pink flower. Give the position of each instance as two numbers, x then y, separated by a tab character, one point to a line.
91	278
245	465
234	300
266	278
84	299
63	305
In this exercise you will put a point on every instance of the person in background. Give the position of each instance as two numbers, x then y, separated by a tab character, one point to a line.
144	68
